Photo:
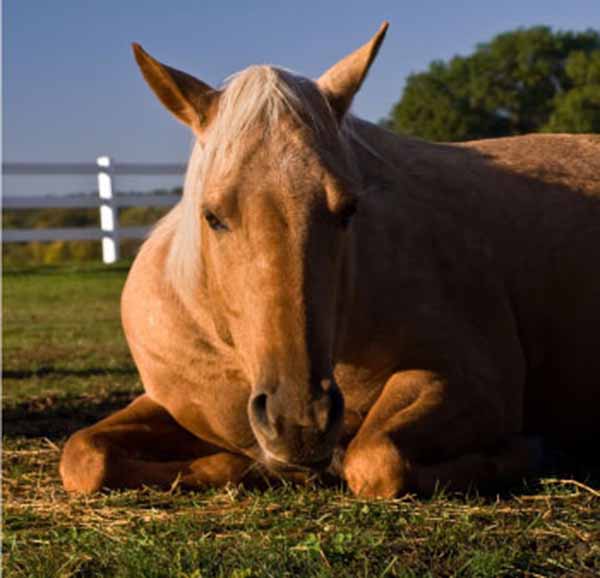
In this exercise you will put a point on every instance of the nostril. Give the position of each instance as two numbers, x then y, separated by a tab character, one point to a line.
259	408
337	407
260	413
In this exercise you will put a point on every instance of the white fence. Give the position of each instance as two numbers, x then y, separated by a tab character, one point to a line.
109	232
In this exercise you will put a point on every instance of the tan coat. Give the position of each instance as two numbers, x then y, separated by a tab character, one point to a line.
413	310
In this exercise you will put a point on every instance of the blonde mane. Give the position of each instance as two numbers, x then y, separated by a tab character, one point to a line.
257	96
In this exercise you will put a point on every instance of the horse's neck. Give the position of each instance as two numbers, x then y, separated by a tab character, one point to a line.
149	279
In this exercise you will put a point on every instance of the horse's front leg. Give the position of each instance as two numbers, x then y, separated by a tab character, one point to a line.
143	445
424	431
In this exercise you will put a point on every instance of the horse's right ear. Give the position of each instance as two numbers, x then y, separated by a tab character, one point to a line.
343	80
189	99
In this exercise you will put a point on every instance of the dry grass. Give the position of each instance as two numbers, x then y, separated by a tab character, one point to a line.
553	532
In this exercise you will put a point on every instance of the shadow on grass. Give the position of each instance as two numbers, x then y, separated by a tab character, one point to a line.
65	372
56	417
78	268
581	463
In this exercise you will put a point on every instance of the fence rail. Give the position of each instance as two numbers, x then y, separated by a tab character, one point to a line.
109	232
71	234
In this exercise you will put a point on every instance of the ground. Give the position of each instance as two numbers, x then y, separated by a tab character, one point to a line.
66	364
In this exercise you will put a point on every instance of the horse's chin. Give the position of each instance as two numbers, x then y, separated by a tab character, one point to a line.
280	466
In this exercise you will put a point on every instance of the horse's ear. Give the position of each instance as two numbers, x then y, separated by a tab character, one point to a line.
343	80
189	99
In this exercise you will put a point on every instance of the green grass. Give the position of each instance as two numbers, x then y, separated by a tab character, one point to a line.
66	364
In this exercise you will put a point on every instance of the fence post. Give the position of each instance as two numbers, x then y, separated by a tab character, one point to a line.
109	219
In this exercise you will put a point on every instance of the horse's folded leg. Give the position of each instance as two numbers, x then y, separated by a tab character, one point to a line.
90	462
218	470
83	464
142	445
427	430
215	470
378	469
374	468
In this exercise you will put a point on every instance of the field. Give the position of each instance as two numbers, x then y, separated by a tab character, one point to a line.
66	364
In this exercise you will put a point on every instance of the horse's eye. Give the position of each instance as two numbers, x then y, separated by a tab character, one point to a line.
346	215
213	222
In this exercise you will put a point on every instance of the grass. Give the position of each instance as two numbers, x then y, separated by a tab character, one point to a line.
66	364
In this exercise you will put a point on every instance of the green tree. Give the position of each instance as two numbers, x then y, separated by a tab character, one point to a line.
578	110
522	81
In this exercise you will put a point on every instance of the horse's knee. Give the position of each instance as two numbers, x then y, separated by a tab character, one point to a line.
374	468
84	463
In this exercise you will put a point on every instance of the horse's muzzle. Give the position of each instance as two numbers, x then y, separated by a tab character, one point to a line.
294	432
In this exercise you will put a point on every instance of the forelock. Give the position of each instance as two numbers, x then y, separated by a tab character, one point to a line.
258	98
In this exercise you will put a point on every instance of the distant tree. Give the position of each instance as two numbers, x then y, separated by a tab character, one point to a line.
578	110
527	80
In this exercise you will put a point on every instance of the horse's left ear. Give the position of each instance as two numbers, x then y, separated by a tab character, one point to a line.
192	101
343	80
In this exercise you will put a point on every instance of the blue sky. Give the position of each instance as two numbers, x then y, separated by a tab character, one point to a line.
71	90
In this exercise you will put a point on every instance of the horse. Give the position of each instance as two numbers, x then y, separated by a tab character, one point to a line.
330	298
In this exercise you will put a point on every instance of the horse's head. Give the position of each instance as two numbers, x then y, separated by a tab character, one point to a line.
270	192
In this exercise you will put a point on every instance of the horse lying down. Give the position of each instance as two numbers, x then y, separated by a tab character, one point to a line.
326	287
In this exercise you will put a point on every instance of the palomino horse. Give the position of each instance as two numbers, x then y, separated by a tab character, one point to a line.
328	289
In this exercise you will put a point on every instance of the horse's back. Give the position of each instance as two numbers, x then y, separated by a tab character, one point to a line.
569	161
